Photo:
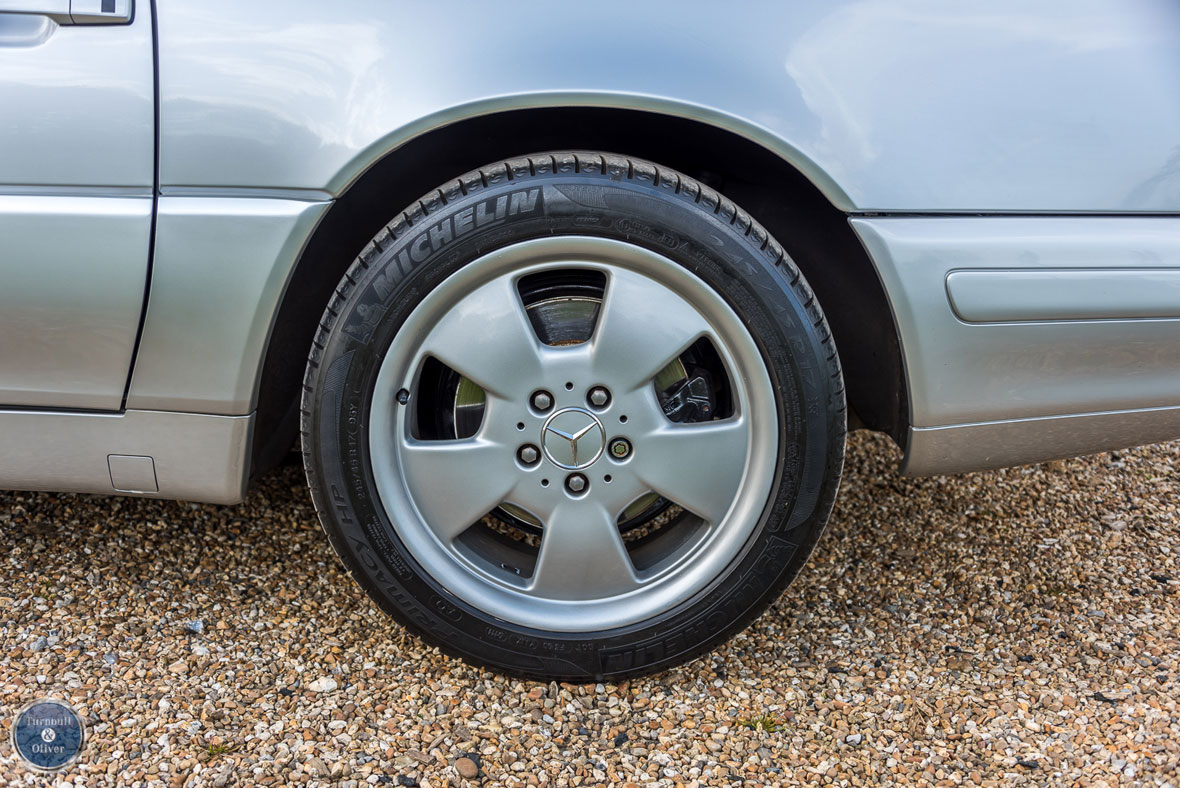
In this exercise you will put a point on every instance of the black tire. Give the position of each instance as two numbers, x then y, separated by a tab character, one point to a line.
605	196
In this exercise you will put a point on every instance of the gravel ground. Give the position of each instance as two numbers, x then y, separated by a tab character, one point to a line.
1012	628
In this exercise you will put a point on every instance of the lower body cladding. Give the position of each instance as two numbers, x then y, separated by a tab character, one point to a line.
185	456
1031	338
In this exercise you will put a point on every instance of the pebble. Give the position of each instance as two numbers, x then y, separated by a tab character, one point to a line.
983	630
467	768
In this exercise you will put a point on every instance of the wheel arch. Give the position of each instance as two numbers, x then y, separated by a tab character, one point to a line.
784	190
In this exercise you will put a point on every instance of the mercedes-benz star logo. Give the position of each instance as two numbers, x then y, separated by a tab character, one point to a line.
573	438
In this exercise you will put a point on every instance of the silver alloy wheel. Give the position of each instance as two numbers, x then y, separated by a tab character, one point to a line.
584	578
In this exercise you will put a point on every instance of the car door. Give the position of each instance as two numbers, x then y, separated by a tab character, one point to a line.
77	182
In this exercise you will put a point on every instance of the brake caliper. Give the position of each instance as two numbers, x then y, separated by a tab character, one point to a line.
690	400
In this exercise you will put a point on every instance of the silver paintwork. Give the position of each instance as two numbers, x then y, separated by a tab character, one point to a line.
913	105
133	473
71	12
58	10
71	291
886	105
997	444
76	172
78	104
583	580
220	272
197	457
1044	294
963	373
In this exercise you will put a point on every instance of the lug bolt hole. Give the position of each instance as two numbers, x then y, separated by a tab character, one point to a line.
598	397
620	448
576	483
541	401
528	454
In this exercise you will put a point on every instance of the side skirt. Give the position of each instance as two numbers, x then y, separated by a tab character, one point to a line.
996	444
158	454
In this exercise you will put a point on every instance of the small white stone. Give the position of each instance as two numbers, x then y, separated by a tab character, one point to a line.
323	684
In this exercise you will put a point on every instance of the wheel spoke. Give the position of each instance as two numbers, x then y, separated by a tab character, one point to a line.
582	555
487	338
642	326
454	483
699	466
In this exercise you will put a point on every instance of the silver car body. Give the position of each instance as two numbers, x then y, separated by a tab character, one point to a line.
1013	171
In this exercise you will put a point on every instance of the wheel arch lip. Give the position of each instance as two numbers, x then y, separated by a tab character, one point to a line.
597	99
361	170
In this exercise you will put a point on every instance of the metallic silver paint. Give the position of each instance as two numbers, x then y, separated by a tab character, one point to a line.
71	291
912	105
59	10
221	269
197	457
71	12
652	310
997	444
77	138
887	105
1047	294
962	373
133	473
78	106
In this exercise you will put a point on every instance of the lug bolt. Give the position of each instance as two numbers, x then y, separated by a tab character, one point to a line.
620	448
598	397
528	454
575	482
542	401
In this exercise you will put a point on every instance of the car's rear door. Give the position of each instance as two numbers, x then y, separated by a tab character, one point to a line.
77	175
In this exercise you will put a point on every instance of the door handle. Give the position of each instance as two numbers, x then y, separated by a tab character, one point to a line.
73	12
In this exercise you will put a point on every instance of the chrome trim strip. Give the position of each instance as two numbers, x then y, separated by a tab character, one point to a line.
35	190
236	192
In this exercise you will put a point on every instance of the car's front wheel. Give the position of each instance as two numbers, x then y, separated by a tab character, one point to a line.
573	416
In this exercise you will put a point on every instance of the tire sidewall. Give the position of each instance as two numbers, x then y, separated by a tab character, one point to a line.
436	238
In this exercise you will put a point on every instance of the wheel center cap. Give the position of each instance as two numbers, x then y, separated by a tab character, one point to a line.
573	438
